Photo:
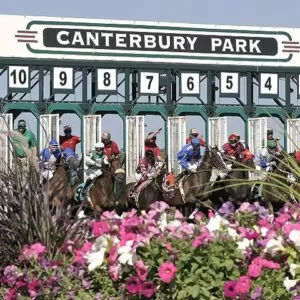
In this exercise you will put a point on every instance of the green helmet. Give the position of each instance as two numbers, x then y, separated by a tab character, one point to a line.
271	144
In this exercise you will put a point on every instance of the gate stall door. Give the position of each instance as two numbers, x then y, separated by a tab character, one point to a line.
49	129
91	134
293	134
135	138
217	131
257	134
176	139
6	124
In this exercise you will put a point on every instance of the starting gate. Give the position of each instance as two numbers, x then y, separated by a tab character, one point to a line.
176	139
91	134
293	134
6	124
217	131
257	134
49	129
135	137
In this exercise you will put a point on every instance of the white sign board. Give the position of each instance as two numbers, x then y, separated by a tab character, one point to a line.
63	80
18	78
107	80
268	85
149	83
230	84
189	84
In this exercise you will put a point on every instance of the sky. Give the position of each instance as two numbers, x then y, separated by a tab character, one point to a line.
273	13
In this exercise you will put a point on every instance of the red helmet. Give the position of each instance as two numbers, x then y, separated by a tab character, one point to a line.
233	138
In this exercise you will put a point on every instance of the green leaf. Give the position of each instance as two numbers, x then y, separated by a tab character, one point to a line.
228	264
181	295
195	291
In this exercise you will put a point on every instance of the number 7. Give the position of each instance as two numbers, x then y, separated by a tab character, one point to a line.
150	78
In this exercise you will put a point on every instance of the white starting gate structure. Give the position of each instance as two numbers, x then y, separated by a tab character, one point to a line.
293	135
257	134
217	131
135	147
176	140
91	135
49	129
6	124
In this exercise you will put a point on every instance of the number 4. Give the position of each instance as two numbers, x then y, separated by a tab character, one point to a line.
268	84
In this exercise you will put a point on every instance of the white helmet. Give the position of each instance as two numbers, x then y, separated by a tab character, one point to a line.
99	145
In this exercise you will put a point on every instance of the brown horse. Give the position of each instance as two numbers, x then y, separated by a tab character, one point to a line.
107	192
149	194
58	189
195	188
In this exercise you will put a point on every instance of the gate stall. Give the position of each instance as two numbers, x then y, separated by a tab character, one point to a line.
176	140
6	124
257	134
49	129
91	134
217	131
293	135
135	137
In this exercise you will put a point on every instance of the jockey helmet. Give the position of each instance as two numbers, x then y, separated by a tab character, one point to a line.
233	138
149	155
194	132
21	124
269	132
99	147
106	136
237	134
53	145
271	144
67	129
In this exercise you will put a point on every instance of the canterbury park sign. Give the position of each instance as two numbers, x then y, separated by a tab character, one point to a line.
110	40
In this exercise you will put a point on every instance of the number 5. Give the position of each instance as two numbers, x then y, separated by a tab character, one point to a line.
229	83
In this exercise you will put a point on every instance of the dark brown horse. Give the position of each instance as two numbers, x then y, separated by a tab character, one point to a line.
107	192
196	187
149	194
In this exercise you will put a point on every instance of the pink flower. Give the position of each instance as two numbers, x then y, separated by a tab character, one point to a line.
254	271
79	254
248	233
34	288
100	228
148	289
11	294
202	238
170	248
141	269
34	251
114	272
243	285
167	272
113	254
229	289
133	285
287	228
282	219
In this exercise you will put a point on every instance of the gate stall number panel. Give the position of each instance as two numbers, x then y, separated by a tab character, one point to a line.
91	135
176	140
293	134
257	134
135	139
6	124
49	129
217	131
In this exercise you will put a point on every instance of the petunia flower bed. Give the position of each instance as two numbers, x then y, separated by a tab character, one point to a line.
242	254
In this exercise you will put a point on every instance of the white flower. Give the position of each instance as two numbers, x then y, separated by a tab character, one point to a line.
289	283
95	259
244	244
294	236
162	222
232	233
127	254
215	223
274	246
293	268
264	231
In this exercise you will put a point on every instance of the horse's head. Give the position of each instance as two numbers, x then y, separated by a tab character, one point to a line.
213	158
118	172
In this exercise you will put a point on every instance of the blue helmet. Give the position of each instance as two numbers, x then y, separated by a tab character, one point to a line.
53	145
195	141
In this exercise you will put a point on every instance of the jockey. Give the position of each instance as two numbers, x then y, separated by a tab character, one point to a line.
69	157
267	153
150	144
48	158
189	157
233	148
68	140
95	161
194	133
30	139
111	147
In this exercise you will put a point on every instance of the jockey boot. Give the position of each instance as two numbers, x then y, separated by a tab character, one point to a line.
85	188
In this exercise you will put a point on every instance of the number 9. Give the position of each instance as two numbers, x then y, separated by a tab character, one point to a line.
63	78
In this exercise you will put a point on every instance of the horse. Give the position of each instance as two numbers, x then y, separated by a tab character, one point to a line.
281	183
194	189
235	186
148	194
107	192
